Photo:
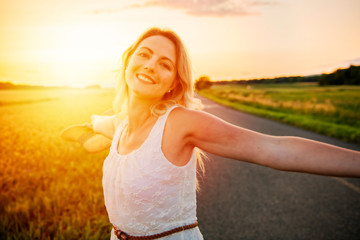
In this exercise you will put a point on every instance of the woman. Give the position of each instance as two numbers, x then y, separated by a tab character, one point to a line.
149	176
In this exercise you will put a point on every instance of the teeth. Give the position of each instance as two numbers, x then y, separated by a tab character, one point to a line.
145	79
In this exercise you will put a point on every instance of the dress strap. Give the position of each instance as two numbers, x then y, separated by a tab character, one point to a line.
160	127
169	111
163	118
118	132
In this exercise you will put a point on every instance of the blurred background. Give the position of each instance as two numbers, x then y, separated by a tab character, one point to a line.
78	43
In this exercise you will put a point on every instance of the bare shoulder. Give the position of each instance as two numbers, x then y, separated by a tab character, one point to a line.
190	121
214	135
179	131
181	116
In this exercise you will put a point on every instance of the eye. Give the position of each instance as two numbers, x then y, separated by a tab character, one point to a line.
143	54
165	65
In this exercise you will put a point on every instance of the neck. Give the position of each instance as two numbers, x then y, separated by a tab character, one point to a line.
139	113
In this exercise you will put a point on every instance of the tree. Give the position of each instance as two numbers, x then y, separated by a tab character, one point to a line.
349	76
202	83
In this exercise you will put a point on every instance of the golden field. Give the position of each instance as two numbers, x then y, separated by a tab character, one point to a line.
50	188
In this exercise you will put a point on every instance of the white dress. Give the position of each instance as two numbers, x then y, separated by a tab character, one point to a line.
144	193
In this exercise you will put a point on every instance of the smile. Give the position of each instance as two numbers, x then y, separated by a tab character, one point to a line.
145	78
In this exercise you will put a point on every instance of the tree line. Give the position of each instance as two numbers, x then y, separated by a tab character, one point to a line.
348	76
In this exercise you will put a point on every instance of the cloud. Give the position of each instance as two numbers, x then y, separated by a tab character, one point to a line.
218	8
209	7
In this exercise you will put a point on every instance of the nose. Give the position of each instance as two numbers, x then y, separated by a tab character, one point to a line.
150	64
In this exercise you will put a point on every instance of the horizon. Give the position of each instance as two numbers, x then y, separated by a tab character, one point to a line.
95	86
80	43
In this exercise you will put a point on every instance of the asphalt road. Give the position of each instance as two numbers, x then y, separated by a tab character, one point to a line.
244	201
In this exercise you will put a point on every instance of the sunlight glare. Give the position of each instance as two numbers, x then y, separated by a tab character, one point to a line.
79	53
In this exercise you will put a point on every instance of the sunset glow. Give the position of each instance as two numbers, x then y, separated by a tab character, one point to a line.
79	43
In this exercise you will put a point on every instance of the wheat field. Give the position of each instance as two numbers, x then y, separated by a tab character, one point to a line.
50	188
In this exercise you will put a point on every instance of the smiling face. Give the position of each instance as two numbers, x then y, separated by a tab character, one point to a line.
151	70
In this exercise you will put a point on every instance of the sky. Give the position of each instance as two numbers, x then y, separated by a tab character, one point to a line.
80	42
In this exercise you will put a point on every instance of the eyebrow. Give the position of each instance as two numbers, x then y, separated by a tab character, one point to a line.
151	51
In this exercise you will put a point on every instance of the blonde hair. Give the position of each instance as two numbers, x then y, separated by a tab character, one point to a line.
183	92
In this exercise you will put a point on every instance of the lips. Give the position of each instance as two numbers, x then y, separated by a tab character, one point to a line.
145	78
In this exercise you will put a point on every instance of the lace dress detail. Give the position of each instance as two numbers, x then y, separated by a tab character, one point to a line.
146	194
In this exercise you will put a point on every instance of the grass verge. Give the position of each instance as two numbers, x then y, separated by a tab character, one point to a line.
313	122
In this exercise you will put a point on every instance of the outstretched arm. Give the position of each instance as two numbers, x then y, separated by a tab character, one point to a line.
283	153
94	137
104	125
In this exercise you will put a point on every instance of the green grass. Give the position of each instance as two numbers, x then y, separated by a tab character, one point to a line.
333	110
